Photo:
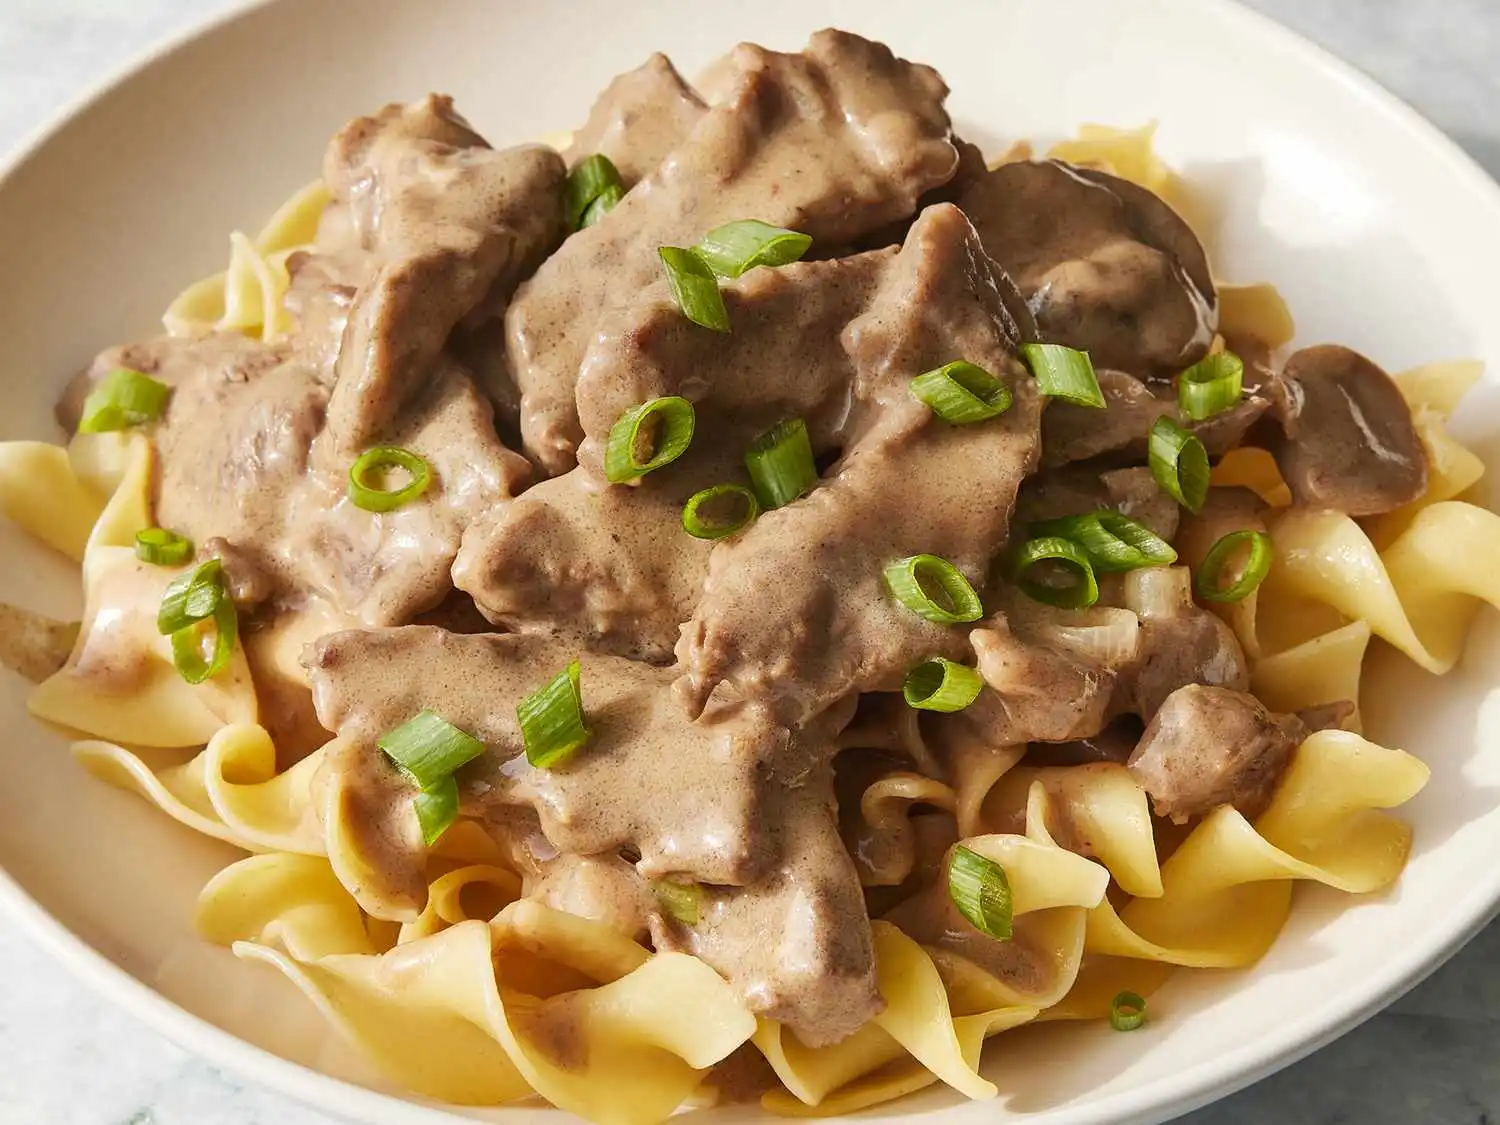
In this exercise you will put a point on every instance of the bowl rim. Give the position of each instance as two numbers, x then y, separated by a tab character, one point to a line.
1148	1104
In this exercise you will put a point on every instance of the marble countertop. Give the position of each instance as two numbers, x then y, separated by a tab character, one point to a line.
67	1058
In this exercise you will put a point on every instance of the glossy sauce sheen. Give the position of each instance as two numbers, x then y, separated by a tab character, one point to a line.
444	305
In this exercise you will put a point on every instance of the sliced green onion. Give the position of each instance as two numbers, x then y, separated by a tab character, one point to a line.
734	248
961	392
1080	593
551	719
648	436
191	597
683	901
437	808
978	887
429	747
1213	384
934	589
590	178
1179	463
160	547
941	685
694	288
188	642
1127	1011
704	525
602	205
781	464
1209	579
1065	373
1114	542
122	399
367	492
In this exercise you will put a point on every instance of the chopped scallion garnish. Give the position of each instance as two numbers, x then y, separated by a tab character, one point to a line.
551	719
188	655
699	514
367	491
437	808
1066	559
429	747
122	399
682	901
1213	384
602	205
781	464
161	547
191	597
934	589
589	180
961	392
1127	1011
940	684
734	248
647	437
1113	542
694	288
1179	463
978	887
1065	373
1210	577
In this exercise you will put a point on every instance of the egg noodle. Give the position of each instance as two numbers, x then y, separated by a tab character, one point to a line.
488	997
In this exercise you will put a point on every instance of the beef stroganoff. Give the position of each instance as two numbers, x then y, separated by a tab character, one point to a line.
753	600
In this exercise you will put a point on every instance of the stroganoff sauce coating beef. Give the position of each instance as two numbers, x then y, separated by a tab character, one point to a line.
445	302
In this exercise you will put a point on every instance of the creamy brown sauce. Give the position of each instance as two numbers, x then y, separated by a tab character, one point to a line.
442	309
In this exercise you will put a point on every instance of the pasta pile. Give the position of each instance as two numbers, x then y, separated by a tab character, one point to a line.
489	998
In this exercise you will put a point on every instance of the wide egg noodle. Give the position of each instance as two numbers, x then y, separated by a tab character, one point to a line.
42	494
120	684
248	296
293	903
231	790
431	1015
885	807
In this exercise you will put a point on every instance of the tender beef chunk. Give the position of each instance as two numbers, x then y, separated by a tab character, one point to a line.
1209	746
1348	441
639	118
1076	433
1051	674
575	557
798	943
785	358
833	142
1181	643
388	567
445	223
1076	490
1106	266
794	614
735	802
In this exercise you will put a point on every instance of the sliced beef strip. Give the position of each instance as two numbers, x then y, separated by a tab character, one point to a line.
609	565
833	142
797	943
794	613
735	802
639	118
388	567
445	224
1078	489
1106	266
1209	746
1077	433
785	357
1347	441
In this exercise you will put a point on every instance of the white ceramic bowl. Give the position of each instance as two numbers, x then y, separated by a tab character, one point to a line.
1377	229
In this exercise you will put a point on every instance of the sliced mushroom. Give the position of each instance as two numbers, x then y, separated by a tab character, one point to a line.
1348	442
1210	746
1105	265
